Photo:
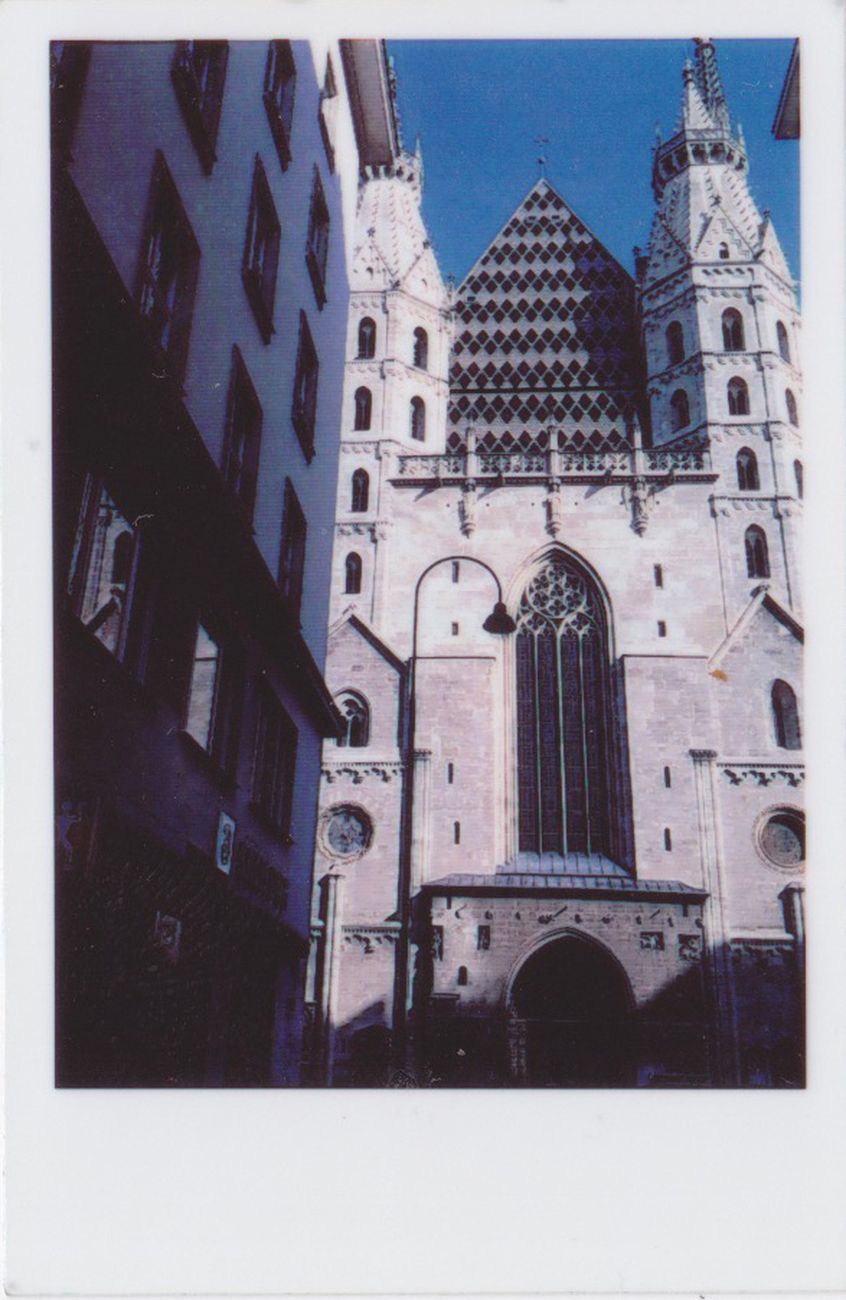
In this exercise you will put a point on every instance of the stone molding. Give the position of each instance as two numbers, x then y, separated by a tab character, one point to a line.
359	448
723	505
764	773
357	770
369	936
375	529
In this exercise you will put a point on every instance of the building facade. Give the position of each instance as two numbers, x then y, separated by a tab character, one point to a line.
204	197
561	838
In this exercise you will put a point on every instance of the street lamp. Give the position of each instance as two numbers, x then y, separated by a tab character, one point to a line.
499	623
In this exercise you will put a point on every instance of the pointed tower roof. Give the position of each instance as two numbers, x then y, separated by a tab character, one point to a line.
545	335
392	249
705	210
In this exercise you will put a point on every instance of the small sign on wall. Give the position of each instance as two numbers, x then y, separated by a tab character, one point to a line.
225	842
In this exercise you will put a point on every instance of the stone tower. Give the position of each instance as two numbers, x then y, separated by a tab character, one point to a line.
561	840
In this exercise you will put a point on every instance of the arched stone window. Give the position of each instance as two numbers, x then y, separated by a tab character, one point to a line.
788	733
363	408
352	574
418	419
563	729
799	475
360	491
366	339
757	557
733	335
353	709
421	348
675	342
679	409
738	396
792	409
747	471
783	341
724	252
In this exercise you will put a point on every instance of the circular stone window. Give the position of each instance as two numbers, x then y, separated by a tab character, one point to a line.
782	838
345	832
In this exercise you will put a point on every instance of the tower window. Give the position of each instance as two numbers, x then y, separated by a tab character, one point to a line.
783	341
261	252
483	938
418	419
668	839
450	773
733	334
455	570
662	628
658	574
792	411
280	80
788	734
738	396
757	558
317	244
679	409
352	574
724	252
242	438
199	72
366	339
356	716
799	476
421	349
747	471
304	406
454	629
360	491
363	409
675	342
462	975
668	780
456	832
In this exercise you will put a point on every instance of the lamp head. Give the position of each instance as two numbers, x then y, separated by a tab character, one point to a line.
499	621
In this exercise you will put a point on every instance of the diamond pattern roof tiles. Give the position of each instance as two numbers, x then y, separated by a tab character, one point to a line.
567	349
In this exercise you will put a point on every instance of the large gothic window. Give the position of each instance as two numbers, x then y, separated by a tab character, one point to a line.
738	396
747	471
788	733
783	341
675	343
733	338
562	714
757	558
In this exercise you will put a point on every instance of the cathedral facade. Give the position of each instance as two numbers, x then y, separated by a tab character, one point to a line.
561	840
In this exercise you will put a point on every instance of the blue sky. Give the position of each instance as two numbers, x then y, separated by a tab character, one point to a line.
478	105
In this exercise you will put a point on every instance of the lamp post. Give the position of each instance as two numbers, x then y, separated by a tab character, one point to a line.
499	623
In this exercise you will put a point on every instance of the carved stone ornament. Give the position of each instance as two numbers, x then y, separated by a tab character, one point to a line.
764	774
640	500
554	509
356	772
467	508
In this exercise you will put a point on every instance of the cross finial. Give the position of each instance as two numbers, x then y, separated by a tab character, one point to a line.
541	140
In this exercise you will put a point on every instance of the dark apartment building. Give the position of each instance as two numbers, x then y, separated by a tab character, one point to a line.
203	200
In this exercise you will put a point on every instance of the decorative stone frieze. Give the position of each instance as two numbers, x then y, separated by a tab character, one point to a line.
370	937
762	774
358	771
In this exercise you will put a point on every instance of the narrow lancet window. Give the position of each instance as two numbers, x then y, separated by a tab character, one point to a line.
747	471
788	734
757	558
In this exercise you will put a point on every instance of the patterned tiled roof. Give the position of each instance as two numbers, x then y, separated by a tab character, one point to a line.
545	333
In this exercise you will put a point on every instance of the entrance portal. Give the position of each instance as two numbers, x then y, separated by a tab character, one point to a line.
571	1014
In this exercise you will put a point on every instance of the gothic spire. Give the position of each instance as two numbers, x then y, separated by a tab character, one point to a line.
710	84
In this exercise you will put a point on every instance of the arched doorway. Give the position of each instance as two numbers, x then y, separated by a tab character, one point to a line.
571	1011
